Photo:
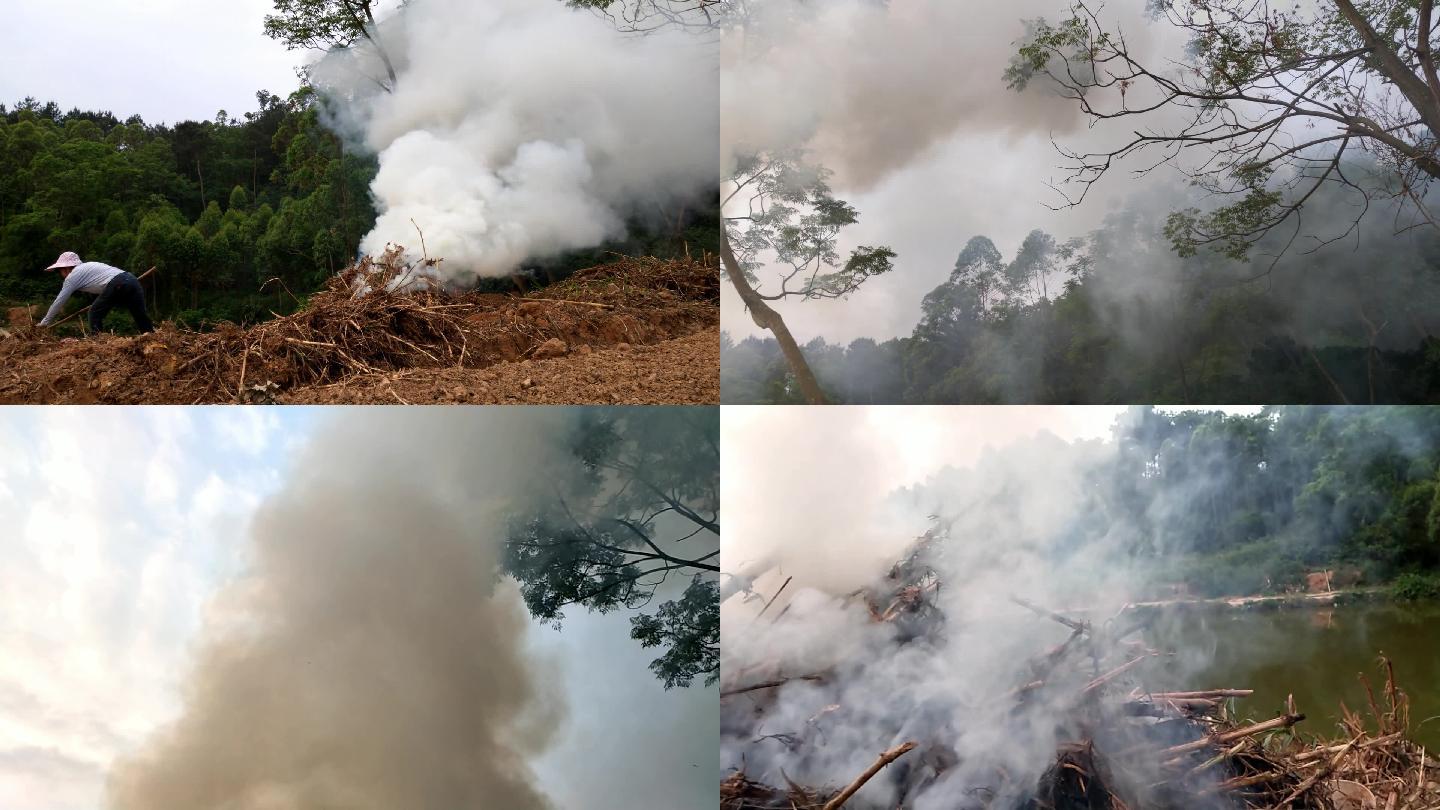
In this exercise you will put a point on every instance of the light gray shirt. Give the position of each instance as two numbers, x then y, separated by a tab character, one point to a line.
88	277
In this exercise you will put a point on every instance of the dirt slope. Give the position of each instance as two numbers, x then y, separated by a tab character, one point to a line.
679	371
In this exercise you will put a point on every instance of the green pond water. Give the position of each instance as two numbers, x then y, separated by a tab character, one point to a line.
1316	653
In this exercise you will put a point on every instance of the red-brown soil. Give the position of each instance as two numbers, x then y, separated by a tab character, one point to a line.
636	330
673	372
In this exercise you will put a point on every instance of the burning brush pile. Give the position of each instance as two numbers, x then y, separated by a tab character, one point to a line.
913	717
381	315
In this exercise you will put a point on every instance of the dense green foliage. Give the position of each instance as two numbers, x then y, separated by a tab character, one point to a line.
1413	587
640	503
1118	317
219	207
1242	504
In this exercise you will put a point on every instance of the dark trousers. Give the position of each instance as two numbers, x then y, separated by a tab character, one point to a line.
122	291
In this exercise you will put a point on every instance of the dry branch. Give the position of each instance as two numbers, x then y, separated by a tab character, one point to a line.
885	759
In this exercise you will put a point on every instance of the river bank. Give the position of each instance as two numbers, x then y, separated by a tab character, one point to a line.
1272	601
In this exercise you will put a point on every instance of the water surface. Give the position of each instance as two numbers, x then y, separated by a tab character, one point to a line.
1316	653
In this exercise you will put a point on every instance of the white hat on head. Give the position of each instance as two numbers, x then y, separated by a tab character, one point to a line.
67	259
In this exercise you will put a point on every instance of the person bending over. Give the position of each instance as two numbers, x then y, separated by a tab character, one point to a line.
111	286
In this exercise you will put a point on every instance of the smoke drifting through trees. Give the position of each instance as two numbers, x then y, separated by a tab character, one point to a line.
523	128
1117	316
870	85
1349	306
370	658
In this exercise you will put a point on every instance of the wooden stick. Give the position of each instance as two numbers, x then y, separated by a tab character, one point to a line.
1178	703
86	309
1213	693
885	759
1243	781
1218	758
1068	622
1315	777
1330	749
1114	673
768	684
1283	721
577	303
244	359
783	585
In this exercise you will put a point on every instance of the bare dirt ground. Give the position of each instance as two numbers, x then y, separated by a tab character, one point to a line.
636	330
679	371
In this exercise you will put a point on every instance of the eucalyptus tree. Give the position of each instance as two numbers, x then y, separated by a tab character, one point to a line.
779	241
638	506
328	25
1265	107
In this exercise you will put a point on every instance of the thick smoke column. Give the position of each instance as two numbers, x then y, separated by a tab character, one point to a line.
519	129
1011	532
369	659
1027	520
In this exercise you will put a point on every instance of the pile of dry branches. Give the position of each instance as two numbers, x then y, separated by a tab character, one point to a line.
381	315
1122	748
645	280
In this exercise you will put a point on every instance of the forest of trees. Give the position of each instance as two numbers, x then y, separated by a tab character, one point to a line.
1233	504
219	207
1118	317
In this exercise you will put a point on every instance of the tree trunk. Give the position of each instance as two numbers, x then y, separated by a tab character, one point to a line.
370	31
766	317
1391	66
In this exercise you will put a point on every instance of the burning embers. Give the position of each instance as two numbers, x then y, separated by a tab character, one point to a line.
924	721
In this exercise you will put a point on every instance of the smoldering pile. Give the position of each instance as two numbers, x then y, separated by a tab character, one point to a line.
383	314
1107	742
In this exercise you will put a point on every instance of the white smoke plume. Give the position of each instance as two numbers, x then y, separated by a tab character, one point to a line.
371	659
869	85
1025	520
520	129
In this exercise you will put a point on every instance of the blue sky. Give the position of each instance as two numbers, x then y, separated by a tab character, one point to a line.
120	524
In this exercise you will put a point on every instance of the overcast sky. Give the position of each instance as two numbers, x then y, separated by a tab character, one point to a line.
167	60
123	523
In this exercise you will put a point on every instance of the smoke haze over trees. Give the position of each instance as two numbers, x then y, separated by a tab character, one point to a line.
1227	502
1117	316
1127	303
946	515
558	142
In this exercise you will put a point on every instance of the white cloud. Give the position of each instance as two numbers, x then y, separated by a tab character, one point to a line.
123	522
245	430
